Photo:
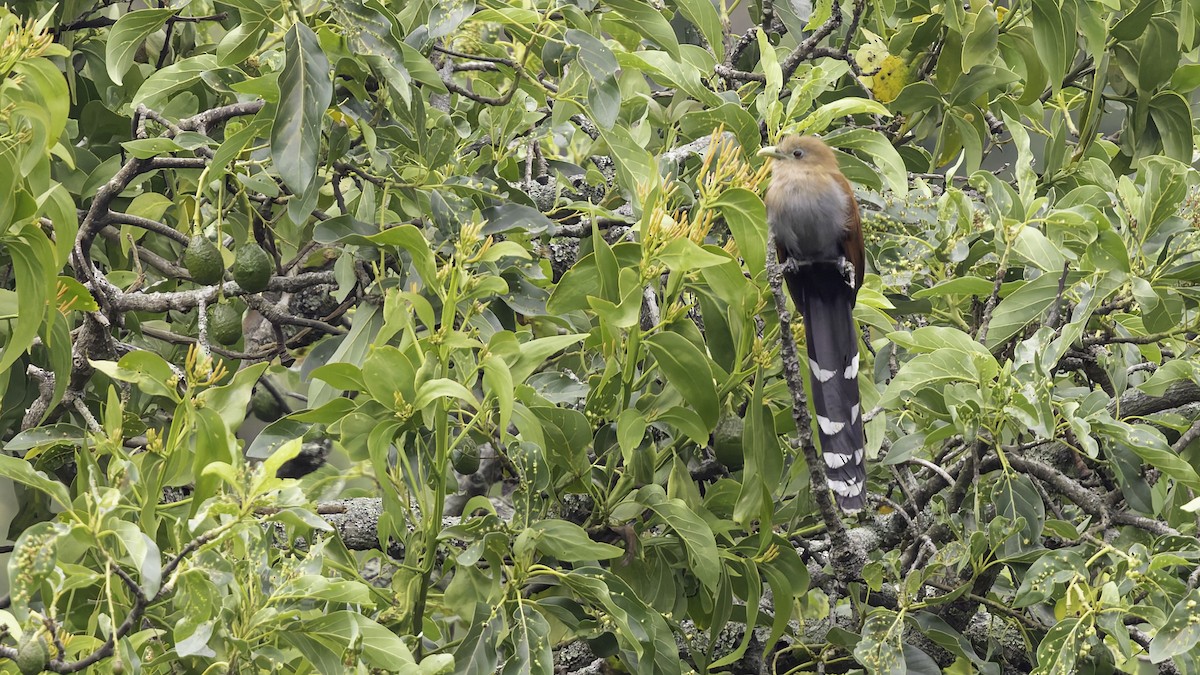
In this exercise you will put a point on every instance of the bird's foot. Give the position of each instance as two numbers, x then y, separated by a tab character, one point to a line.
794	264
847	269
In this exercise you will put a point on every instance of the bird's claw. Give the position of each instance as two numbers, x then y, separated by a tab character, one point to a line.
847	269
793	265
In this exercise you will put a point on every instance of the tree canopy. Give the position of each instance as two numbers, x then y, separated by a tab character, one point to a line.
437	337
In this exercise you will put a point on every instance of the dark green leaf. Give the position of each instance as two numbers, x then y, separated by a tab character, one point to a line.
1181	632
687	368
304	94
126	37
703	16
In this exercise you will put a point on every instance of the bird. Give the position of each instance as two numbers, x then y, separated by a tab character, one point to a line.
814	220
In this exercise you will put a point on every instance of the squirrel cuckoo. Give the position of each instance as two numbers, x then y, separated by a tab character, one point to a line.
814	219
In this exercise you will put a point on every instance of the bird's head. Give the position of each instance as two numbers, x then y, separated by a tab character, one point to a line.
802	152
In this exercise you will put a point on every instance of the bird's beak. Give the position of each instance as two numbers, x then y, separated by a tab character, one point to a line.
770	151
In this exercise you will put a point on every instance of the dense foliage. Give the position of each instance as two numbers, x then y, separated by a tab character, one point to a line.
495	274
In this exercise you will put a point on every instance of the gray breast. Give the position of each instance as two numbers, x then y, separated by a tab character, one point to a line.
807	214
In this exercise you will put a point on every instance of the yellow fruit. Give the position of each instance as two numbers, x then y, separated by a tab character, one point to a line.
203	261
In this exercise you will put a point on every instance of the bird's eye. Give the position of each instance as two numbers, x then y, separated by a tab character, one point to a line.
797	153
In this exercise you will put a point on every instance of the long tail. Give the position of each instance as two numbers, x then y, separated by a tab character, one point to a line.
826	302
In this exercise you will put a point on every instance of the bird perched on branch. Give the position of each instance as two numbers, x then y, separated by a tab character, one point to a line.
814	219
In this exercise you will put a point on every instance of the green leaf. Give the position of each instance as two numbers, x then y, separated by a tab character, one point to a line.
745	213
441	387
535	352
53	434
212	446
636	168
230	400
445	17
687	421
265	478
1016	497
983	79
688	370
56	203
595	56
1186	78
1149	444
498	382
1165	187
974	286
772	71
1045	574
631	429
1059	650
939	367
241	41
1033	247
697	536
819	119
936	629
22	472
684	255
126	37
44	85
35	272
568	542
1159	54
285	429
703	16
304	93
511	216
648	22
344	376
881	152
1133	24
381	648
142	553
1173	118
34	559
531	644
159	87
233	145
316	587
763	458
673	72
1181	632
1024	305
1050	36
980	44
881	649
1169	373
145	369
422	71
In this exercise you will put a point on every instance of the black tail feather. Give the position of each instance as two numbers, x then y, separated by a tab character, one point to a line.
826	302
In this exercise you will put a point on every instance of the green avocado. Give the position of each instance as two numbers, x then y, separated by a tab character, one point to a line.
224	324
32	654
203	261
727	442
252	267
265	406
465	460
